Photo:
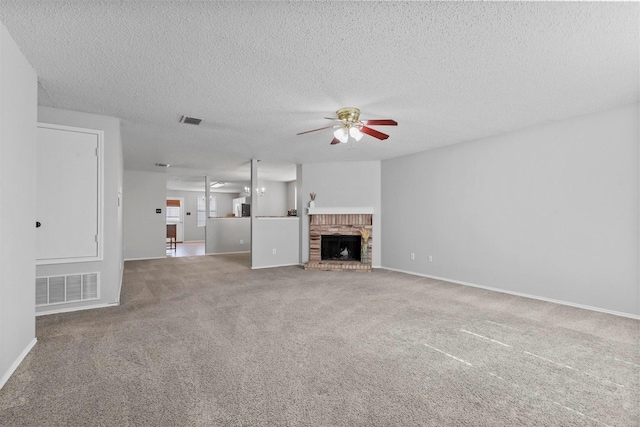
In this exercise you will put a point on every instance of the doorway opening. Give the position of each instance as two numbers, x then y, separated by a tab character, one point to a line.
175	216
186	249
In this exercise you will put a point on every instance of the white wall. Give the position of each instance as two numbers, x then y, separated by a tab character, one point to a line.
145	230
275	234
274	200
550	211
228	235
18	116
192	233
224	202
110	268
191	230
346	184
291	195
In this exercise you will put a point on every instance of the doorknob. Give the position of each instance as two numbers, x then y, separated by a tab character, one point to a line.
38	224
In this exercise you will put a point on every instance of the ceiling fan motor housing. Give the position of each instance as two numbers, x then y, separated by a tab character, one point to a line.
348	114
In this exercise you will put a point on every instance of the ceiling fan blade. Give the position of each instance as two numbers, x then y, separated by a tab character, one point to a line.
374	133
380	122
335	141
314	130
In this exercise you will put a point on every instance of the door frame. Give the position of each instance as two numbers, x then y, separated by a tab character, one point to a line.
180	224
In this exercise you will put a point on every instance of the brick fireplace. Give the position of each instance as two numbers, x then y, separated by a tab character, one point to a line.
339	222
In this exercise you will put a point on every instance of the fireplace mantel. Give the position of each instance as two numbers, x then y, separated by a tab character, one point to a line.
341	211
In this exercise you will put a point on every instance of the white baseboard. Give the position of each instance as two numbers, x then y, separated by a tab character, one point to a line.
274	266
85	307
144	259
227	253
120	284
17	363
520	294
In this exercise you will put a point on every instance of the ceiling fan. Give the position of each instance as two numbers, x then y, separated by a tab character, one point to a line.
351	126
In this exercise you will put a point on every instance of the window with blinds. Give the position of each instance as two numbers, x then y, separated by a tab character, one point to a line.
202	218
173	211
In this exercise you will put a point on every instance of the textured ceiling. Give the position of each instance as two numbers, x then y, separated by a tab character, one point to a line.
257	73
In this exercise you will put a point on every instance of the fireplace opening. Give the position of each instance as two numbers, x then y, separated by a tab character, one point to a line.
340	248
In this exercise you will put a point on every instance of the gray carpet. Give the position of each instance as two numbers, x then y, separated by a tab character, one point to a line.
205	341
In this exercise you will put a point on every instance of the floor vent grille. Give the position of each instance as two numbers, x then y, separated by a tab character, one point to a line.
62	289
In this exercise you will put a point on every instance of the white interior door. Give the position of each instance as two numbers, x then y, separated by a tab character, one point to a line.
68	194
175	215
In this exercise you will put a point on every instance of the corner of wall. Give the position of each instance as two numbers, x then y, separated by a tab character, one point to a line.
18	116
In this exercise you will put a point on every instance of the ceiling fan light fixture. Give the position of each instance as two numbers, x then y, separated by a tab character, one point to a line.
341	134
355	133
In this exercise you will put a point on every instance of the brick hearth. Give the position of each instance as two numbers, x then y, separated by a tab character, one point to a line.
333	225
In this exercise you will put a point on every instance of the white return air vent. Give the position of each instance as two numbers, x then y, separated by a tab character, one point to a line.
62	289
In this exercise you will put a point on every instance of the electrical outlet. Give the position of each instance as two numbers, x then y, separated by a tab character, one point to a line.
413	256
242	242
274	251
430	258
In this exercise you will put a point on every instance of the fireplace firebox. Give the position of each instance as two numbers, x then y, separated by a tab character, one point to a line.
347	227
340	248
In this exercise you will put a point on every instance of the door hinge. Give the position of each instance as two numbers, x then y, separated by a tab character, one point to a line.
96	152
96	238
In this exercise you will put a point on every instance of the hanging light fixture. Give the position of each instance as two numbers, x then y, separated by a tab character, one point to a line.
350	125
355	133
341	134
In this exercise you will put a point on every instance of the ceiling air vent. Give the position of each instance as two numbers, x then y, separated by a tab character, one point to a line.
190	120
